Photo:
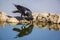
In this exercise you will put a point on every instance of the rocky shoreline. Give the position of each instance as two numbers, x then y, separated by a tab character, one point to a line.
40	17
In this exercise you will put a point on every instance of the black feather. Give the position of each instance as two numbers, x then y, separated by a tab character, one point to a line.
23	11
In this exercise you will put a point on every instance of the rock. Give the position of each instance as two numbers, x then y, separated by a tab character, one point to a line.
54	18
24	21
34	16
3	16
44	14
49	17
12	19
41	18
58	19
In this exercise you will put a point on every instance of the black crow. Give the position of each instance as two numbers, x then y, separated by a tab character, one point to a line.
24	12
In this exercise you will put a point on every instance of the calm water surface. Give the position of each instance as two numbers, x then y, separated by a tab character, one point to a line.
27	31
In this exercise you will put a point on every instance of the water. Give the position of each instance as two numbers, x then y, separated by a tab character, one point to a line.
28	31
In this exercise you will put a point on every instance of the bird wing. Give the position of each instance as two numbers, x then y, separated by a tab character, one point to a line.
16	11
19	7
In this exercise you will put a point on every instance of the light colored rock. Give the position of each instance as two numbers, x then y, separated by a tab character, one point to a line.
3	16
12	20
44	17
41	18
58	19
54	18
34	16
24	21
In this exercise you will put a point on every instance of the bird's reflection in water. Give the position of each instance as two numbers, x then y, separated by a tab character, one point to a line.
27	27
24	30
35	24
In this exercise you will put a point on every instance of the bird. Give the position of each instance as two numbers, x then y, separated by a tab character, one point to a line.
24	12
